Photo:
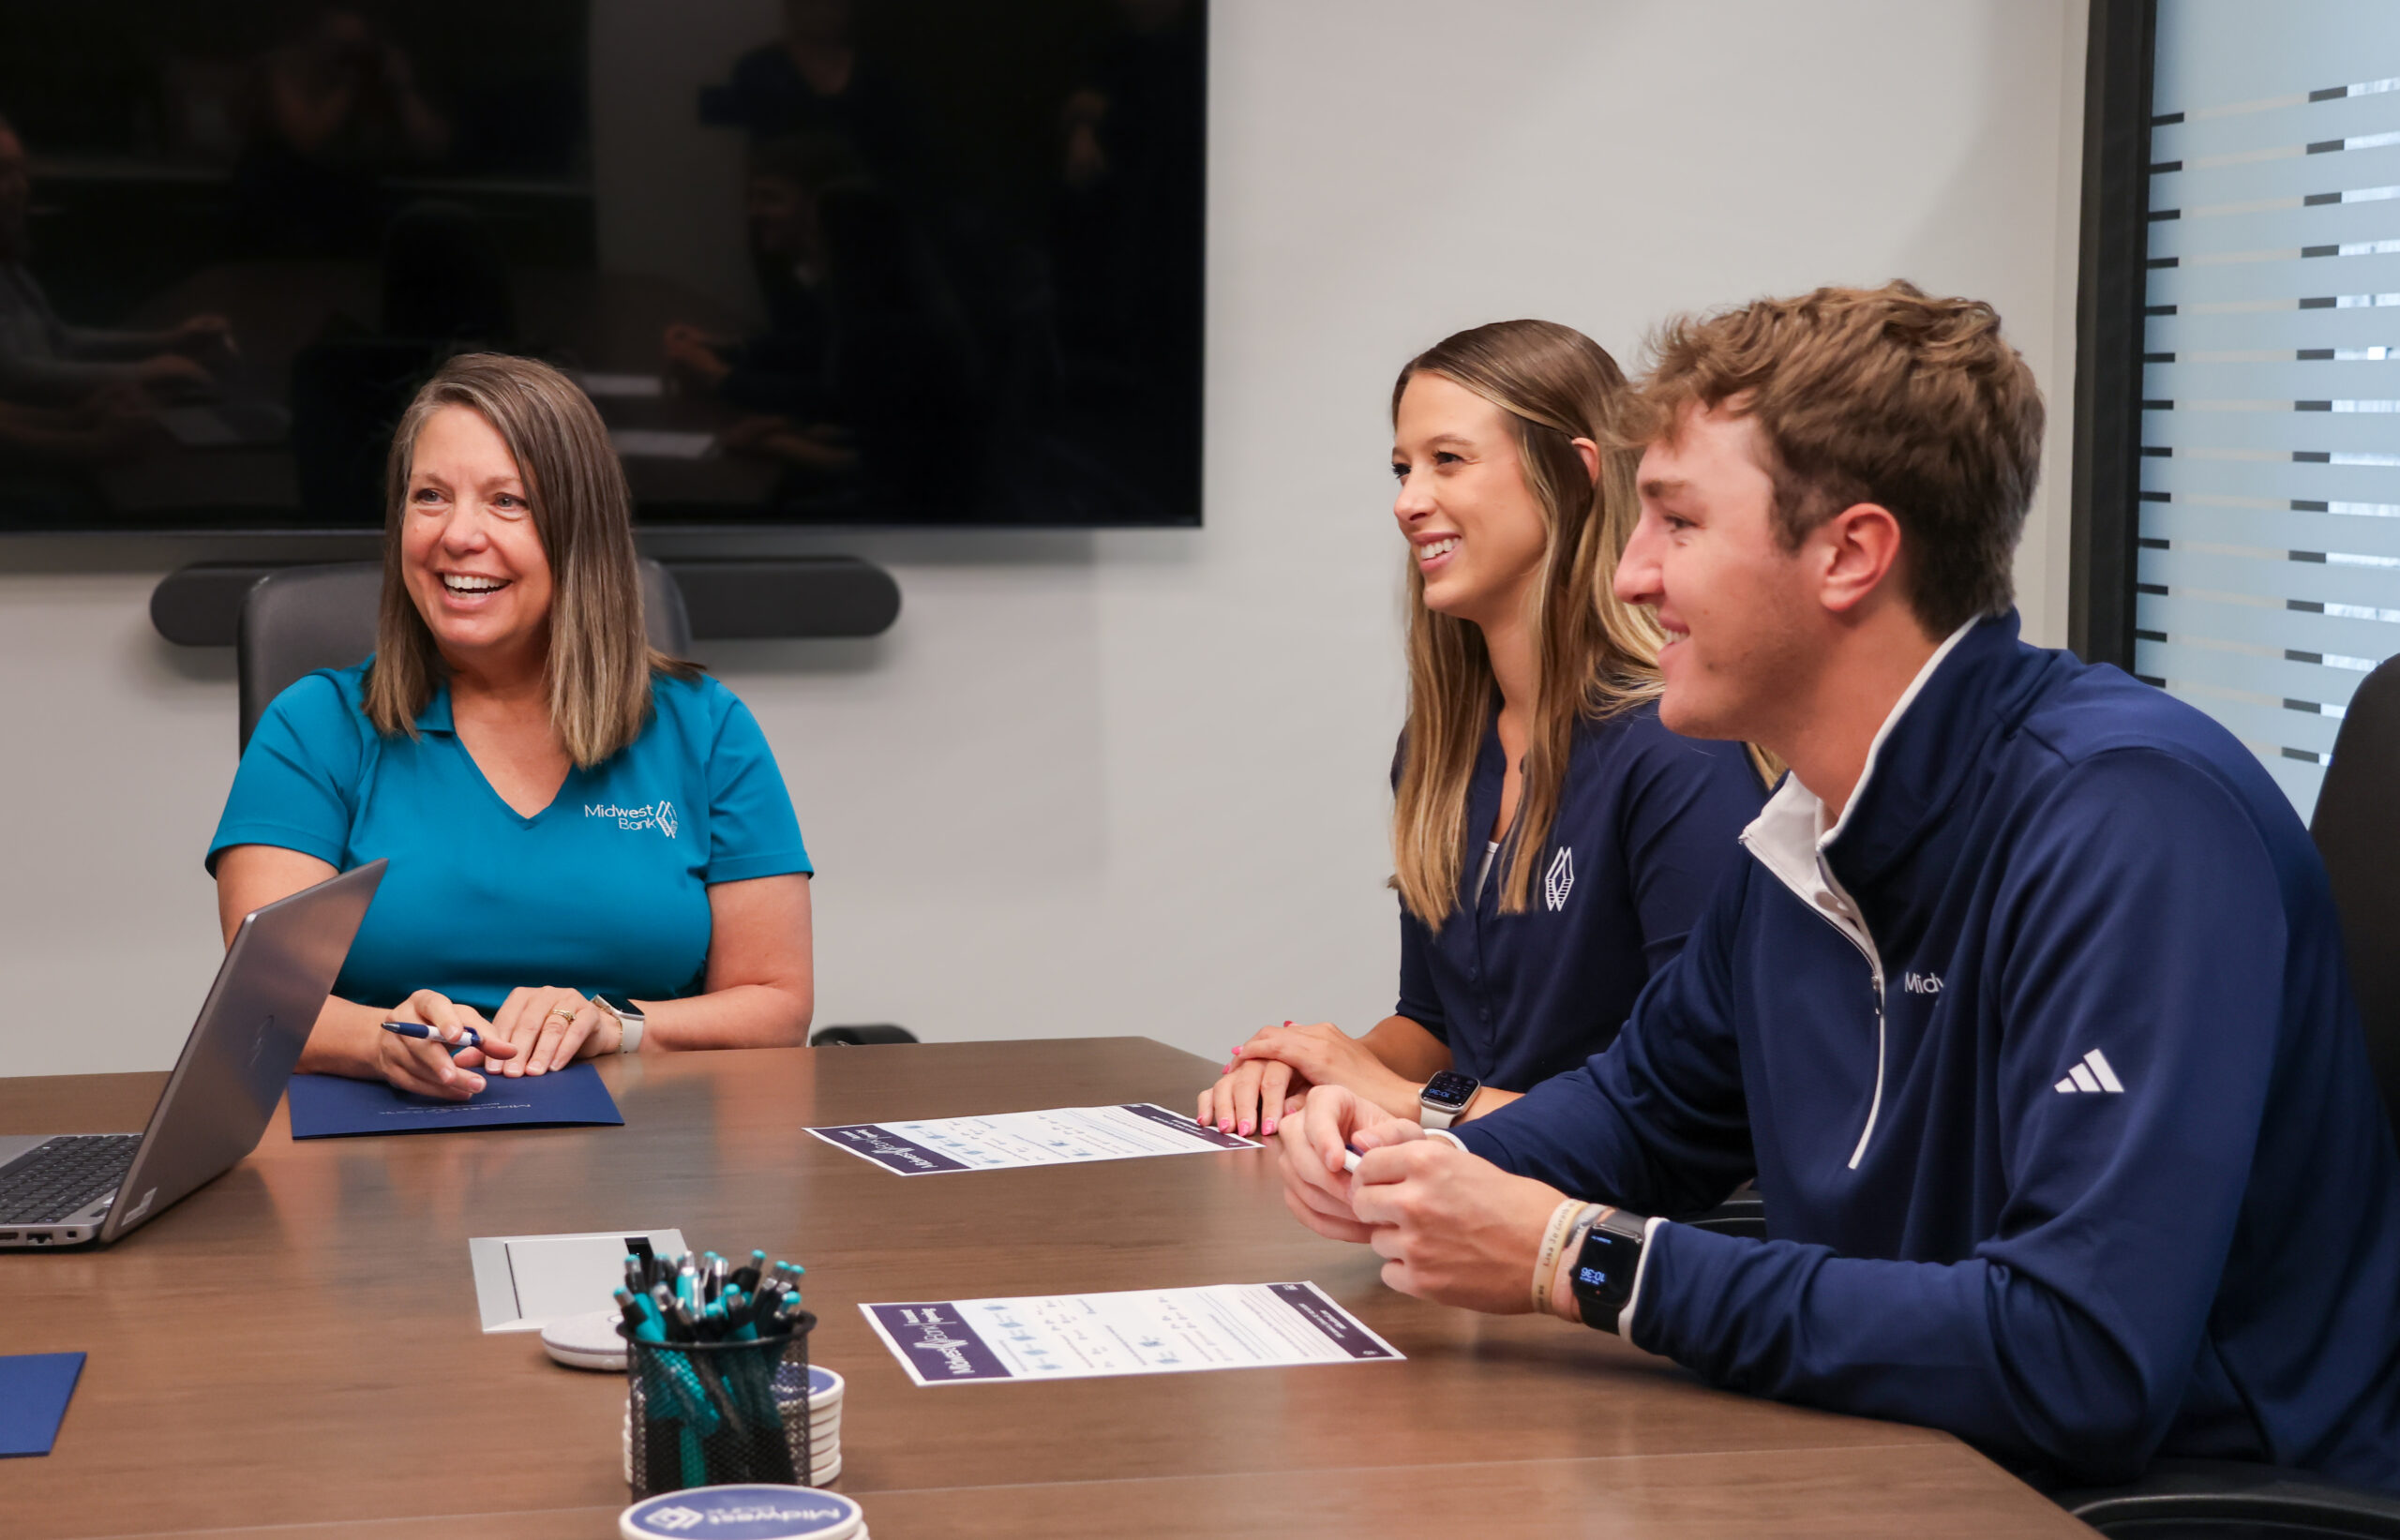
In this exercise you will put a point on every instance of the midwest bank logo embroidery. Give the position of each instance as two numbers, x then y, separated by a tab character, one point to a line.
1921	983
1559	880
659	816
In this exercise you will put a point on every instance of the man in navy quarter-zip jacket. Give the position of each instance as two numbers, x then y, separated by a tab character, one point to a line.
2028	1012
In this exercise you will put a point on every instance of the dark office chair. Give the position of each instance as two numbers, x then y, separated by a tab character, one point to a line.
304	619
2357	830
852	1037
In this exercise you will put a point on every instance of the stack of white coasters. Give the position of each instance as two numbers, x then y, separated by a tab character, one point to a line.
759	1512
823	1410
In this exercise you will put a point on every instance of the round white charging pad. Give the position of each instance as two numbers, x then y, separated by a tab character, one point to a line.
587	1341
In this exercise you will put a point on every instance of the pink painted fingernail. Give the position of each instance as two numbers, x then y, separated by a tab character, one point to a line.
1269	1127
1244	1129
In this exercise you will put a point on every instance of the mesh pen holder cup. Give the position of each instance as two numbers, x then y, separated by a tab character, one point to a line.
705	1413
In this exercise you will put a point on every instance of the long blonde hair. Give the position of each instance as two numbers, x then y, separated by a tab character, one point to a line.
1596	655
600	658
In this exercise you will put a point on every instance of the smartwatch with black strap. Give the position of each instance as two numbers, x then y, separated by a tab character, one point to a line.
1606	1266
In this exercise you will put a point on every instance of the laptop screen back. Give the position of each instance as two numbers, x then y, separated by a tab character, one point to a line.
241	1051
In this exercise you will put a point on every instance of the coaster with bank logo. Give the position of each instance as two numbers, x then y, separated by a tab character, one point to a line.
759	1512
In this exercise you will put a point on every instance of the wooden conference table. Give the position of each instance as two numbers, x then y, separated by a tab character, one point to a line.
295	1349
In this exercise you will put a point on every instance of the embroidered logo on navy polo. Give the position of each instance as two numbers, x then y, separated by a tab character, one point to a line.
659	816
1559	880
2092	1074
1922	983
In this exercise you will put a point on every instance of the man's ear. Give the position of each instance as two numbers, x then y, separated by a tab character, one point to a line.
1855	552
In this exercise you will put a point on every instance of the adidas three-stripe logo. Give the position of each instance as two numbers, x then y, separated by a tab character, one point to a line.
2092	1074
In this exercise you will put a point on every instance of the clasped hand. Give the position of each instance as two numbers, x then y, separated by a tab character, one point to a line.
1279	1063
1452	1227
552	1028
535	1030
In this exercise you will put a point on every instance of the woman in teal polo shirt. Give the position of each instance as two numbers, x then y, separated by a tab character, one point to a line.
592	848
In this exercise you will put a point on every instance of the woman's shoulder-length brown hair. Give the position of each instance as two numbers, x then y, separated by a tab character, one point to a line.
600	661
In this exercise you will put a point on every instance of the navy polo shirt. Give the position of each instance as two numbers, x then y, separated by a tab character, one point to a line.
606	889
1647	822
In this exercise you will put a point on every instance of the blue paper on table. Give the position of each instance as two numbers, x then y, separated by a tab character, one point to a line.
330	1106
34	1388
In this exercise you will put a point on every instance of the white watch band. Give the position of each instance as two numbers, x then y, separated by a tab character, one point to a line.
629	1028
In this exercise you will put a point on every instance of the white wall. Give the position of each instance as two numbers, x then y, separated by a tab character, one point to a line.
1132	781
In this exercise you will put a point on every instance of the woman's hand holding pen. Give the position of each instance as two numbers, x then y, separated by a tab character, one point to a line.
427	1067
1279	1063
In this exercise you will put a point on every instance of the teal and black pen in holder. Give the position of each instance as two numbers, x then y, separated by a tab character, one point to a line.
707	1414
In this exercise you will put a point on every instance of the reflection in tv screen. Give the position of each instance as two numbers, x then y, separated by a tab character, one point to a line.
822	263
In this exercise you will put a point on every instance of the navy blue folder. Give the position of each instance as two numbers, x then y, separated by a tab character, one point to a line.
330	1106
34	1388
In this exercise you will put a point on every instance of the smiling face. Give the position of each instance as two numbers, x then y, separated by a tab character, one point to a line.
468	551
1740	612
1476	530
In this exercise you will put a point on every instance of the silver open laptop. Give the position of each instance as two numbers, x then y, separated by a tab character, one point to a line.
63	1189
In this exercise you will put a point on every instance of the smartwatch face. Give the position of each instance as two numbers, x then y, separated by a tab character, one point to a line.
1449	1089
1607	1264
617	1003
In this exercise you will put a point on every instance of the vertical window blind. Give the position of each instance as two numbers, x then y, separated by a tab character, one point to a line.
2269	569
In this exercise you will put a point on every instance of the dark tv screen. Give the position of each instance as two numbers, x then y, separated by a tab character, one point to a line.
827	263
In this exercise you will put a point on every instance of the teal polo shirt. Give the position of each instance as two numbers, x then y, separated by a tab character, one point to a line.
606	889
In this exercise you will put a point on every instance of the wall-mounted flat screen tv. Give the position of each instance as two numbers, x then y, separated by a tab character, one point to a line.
821	262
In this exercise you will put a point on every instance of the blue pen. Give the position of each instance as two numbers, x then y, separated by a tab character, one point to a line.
468	1038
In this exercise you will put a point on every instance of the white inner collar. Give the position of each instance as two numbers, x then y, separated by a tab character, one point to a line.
1789	835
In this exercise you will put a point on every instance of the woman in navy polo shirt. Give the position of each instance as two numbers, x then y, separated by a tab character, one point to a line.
1552	841
591	849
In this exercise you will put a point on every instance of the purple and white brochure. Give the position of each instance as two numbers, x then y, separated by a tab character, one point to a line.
1138	1331
1004	1140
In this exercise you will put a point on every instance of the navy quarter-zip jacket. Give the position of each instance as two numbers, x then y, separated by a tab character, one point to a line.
2046	1062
